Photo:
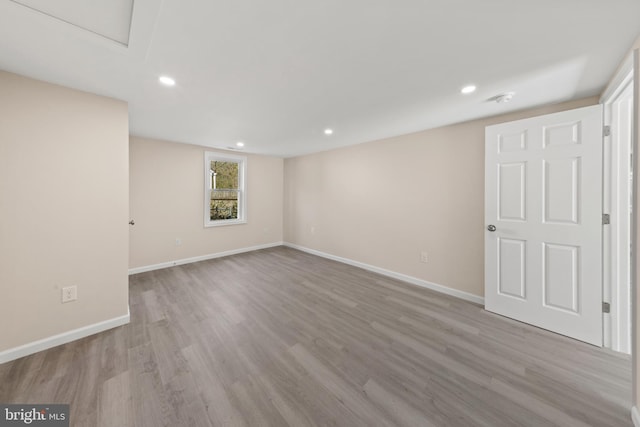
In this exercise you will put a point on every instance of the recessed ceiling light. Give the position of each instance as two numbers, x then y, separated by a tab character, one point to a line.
240	144
167	81
468	89
328	131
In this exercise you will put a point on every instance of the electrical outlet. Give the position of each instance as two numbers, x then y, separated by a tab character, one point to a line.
178	242
70	293
424	257
313	230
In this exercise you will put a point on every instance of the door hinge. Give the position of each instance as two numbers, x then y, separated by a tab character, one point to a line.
606	307
606	131
606	219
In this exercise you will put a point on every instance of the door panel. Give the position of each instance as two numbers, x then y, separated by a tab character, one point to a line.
513	142
512	268
561	193
560	273
543	193
562	134
512	191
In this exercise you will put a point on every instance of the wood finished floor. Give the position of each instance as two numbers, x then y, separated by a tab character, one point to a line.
283	338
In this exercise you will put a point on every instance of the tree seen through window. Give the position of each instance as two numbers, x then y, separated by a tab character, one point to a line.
224	190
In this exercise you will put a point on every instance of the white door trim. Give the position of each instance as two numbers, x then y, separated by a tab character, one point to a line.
616	324
634	226
614	88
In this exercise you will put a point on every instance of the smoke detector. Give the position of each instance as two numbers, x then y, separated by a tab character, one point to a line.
503	98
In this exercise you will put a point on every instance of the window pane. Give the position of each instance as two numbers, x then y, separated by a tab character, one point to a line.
224	195
224	204
224	175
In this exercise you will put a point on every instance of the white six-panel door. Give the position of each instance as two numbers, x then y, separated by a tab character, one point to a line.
543	199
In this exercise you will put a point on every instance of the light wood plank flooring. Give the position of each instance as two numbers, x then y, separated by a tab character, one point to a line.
283	338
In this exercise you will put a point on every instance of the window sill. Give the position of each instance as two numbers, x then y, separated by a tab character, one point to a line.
223	222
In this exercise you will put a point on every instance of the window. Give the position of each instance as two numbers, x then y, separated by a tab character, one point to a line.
224	196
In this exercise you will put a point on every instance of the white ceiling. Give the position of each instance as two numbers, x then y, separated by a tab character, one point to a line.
275	73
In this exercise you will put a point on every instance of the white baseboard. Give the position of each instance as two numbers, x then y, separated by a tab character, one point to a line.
635	416
168	264
399	276
56	340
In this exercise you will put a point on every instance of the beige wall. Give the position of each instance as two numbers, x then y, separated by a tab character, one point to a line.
63	209
383	202
167	203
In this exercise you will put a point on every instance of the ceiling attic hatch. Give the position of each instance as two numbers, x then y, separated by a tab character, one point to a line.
110	19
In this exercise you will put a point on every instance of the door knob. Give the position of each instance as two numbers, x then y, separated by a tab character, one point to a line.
132	222
491	228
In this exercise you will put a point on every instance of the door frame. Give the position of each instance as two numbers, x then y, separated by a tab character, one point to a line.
615	336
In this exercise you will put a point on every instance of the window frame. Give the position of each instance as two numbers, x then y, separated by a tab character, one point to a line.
211	156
